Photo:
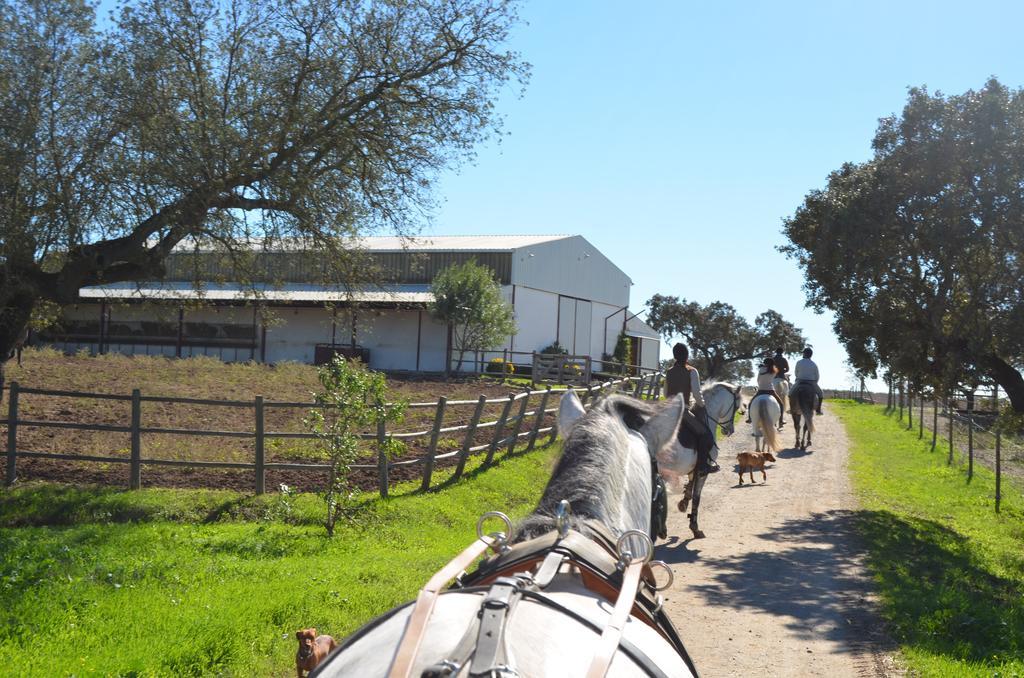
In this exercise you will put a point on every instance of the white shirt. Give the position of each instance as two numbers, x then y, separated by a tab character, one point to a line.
764	380
806	370
698	398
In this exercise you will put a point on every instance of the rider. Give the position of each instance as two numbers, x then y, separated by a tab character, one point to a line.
683	378
765	376
782	364
806	372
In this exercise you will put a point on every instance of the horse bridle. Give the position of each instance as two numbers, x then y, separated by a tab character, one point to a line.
732	413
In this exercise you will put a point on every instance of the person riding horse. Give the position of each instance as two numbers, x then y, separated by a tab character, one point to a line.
765	376
684	378
782	364
806	372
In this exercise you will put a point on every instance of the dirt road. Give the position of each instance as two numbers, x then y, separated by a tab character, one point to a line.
777	587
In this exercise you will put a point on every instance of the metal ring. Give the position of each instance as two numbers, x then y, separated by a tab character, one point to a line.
562	518
671	574
500	537
626	556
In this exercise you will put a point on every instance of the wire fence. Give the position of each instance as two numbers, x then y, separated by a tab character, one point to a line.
964	428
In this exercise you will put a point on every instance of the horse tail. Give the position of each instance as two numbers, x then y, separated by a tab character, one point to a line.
807	409
767	423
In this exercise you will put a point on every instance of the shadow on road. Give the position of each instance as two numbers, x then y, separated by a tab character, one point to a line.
792	453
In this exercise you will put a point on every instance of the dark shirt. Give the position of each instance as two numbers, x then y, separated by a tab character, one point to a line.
677	380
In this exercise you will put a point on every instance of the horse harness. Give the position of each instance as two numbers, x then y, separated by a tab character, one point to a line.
524	570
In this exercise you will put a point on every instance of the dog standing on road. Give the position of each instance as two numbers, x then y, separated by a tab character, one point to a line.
751	461
312	650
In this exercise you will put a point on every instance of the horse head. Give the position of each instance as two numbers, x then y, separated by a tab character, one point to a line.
604	471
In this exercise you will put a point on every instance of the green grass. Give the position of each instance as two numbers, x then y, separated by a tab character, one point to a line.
193	583
950	571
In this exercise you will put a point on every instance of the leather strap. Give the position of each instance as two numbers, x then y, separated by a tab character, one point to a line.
609	641
489	658
416	628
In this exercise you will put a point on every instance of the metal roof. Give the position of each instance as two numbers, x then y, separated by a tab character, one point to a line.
290	292
391	243
638	328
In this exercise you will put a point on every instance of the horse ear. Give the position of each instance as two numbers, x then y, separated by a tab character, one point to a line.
661	427
570	409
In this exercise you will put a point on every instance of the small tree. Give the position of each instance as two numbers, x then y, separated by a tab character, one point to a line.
353	400
467	297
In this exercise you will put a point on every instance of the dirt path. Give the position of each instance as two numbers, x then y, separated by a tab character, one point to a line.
777	587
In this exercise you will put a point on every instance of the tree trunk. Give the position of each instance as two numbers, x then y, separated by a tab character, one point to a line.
15	312
1009	378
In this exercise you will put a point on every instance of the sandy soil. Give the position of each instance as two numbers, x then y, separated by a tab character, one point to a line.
777	588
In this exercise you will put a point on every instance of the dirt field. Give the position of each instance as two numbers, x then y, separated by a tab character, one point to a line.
779	577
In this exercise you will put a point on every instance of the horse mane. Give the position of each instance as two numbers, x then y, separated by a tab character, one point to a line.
590	468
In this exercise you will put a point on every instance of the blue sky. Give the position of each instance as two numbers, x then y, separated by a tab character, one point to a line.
675	136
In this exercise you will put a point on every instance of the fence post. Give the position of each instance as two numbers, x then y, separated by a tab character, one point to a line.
935	421
910	409
518	426
538	422
498	429
261	473
470	433
970	435
428	463
920	416
639	386
135	477
999	467
12	434
382	460
900	400
949	413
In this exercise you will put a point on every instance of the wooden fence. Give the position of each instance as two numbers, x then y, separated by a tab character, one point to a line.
517	424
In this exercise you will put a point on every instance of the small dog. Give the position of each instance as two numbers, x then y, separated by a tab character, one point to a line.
751	461
312	650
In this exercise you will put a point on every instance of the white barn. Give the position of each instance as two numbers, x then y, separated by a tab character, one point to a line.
560	286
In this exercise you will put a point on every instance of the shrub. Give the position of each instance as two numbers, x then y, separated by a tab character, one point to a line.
554	347
500	366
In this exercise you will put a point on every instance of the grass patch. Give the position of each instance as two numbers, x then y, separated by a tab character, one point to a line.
949	570
190	583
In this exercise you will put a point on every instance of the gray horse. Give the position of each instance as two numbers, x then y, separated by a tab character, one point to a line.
801	403
604	474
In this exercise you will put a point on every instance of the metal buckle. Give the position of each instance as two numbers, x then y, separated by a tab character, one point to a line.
626	557
500	538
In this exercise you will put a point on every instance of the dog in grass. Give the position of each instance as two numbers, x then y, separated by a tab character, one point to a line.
751	461
313	649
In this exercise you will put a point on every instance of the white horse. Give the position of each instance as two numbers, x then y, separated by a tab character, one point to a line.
722	401
764	412
553	600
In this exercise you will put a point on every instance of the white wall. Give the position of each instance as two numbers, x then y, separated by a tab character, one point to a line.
573	267
649	353
536	319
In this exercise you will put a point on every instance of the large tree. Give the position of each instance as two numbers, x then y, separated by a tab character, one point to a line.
240	124
722	343
919	252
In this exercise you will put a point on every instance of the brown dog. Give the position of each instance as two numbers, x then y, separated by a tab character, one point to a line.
312	650
751	461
